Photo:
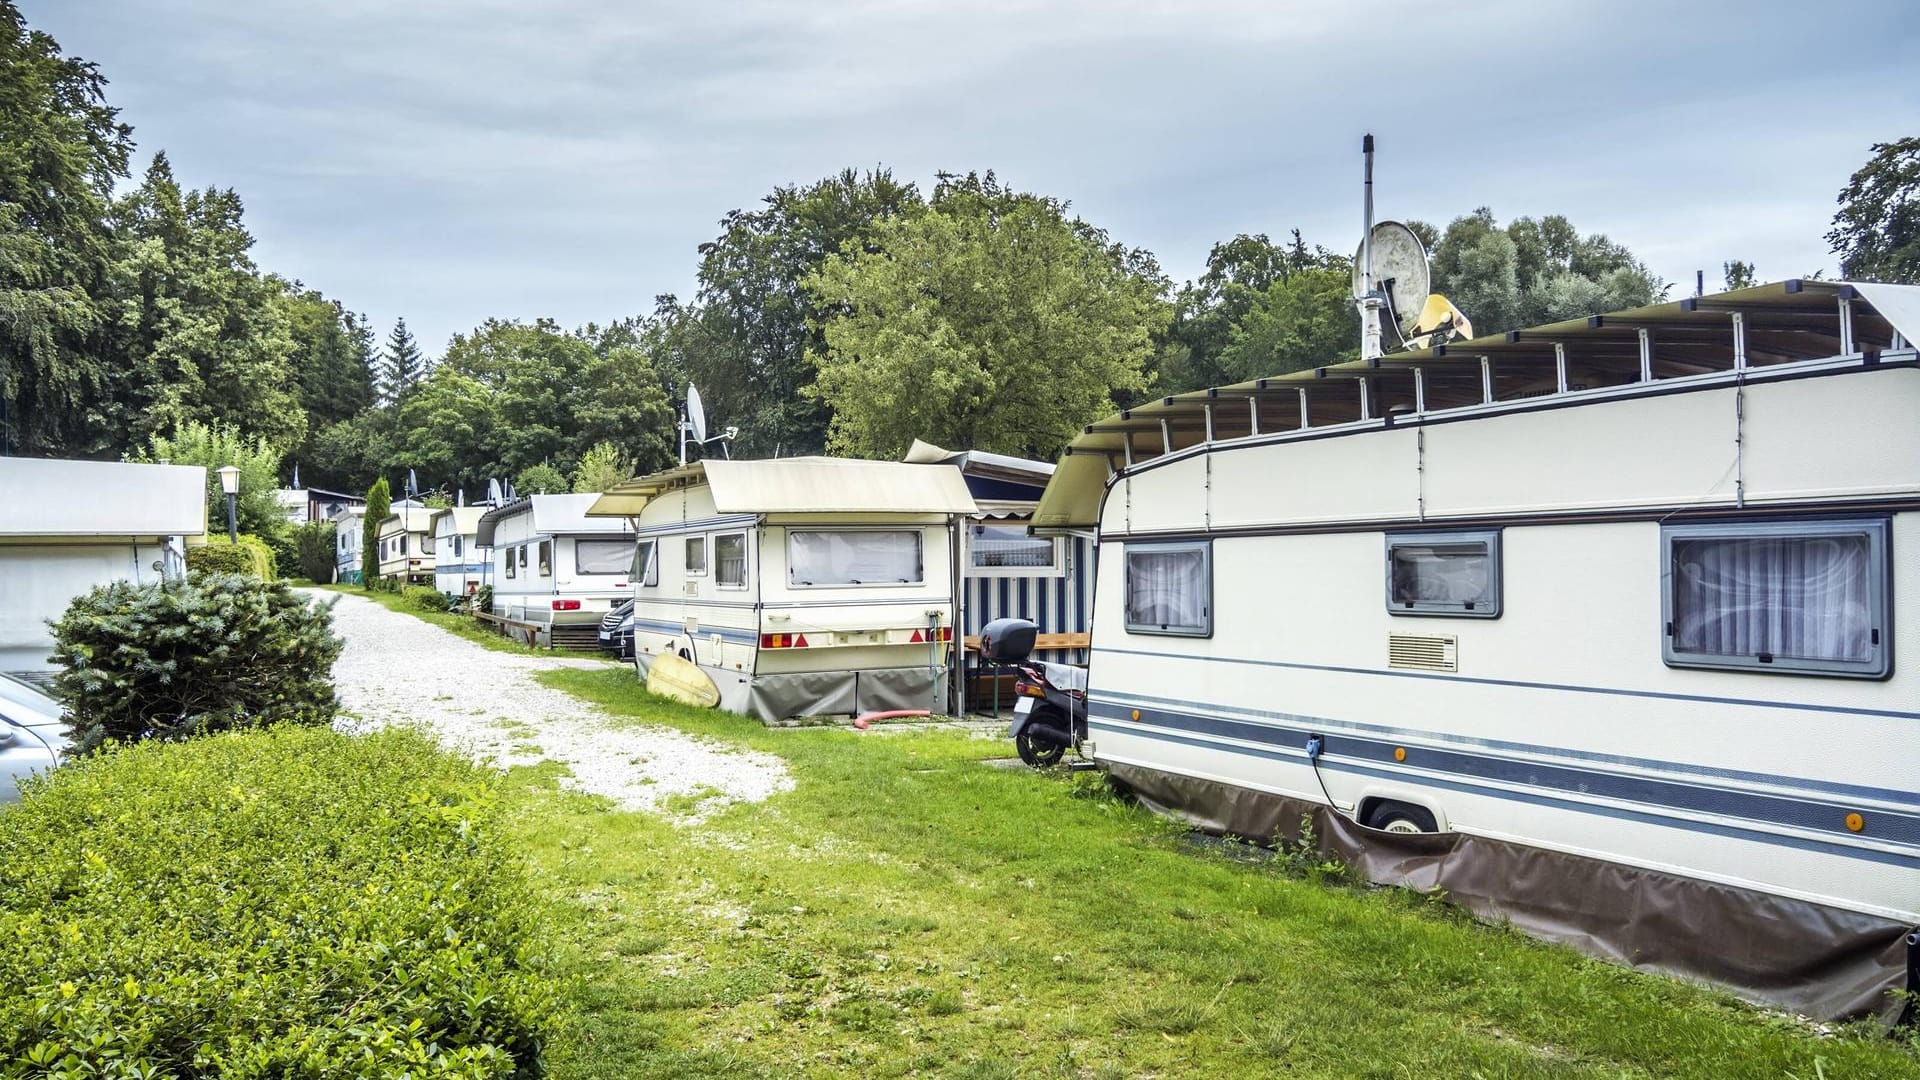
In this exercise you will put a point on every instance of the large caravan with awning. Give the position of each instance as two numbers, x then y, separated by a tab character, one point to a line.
554	567
1608	628
802	586
459	565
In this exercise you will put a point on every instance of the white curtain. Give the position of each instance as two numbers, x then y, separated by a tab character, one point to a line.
1803	598
602	556
1167	588
1009	545
1454	574
730	559
853	558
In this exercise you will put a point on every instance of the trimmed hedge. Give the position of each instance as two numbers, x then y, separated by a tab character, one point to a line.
250	556
171	659
424	597
293	902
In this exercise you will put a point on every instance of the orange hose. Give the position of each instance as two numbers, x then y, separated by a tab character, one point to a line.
861	722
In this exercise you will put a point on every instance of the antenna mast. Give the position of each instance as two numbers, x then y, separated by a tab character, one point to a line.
1369	301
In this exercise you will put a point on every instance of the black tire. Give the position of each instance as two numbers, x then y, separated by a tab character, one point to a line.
1039	753
1389	815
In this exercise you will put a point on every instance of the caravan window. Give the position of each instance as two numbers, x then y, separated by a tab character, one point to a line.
1007	551
546	558
1794	596
1170	588
1445	573
603	557
644	569
523	556
457	545
730	561
853	557
510	562
696	556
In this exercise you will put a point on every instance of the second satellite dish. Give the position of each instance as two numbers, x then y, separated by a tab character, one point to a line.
1400	271
696	414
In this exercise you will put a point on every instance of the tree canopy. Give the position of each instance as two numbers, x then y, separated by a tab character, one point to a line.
1876	232
991	320
1533	271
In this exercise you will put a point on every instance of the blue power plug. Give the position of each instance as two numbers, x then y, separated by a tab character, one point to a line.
1314	745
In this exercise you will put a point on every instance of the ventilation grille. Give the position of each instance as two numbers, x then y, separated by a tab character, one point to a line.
1423	652
577	636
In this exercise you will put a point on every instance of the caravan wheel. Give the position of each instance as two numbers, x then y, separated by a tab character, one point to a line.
1388	815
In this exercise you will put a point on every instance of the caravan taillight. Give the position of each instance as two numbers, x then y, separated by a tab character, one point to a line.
783	641
566	605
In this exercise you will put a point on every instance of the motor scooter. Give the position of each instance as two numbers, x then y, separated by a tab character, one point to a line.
1050	700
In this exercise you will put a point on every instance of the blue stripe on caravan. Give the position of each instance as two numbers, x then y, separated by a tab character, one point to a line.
1566	687
1888	825
1322	724
1537	799
676	629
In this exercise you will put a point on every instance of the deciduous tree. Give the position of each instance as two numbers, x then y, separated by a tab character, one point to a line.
992	321
1876	232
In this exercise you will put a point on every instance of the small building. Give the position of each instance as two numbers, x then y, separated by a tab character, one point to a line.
348	521
1009	572
406	542
68	526
302	505
459	566
801	586
555	568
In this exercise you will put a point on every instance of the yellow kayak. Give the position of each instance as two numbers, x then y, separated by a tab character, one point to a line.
681	680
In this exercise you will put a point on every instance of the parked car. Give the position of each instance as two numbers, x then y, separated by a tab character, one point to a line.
32	734
616	631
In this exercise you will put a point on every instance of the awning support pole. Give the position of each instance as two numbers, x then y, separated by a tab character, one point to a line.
1486	380
1208	410
1560	366
1419	391
1366	405
1166	436
1253	409
1646	355
1739	342
1126	446
1846	327
1306	421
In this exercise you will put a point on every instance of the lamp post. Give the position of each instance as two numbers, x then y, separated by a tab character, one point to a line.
230	483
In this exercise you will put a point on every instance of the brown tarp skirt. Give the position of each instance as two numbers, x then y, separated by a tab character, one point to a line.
1812	959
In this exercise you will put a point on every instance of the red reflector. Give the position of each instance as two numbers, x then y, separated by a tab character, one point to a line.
566	605
799	641
915	639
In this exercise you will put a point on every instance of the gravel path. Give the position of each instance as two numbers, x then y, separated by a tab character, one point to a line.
397	669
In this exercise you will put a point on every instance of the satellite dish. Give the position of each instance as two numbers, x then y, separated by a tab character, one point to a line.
494	495
696	414
1400	272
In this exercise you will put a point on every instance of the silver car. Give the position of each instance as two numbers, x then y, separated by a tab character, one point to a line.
32	734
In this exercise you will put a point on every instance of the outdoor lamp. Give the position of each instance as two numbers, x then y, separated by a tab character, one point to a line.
230	483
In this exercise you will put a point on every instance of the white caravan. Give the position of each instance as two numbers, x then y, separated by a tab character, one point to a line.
1625	610
802	586
406	543
67	526
555	567
459	566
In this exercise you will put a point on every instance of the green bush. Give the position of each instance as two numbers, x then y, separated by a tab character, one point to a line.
172	659
251	555
424	597
318	548
483	599
288	903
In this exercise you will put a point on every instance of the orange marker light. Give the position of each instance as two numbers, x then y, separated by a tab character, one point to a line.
1855	823
1136	714
1399	753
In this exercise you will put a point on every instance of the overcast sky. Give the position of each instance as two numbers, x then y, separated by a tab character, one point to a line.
451	160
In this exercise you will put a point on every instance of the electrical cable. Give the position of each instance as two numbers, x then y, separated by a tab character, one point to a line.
1315	744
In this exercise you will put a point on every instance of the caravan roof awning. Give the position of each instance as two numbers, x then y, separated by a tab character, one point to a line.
1748	328
804	485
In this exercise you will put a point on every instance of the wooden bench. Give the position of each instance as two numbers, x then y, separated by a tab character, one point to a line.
506	625
1044	642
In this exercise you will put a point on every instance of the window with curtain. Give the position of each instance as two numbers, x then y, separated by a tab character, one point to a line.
997	549
1451	573
546	558
643	568
696	556
510	563
1795	597
603	557
853	557
730	561
1170	588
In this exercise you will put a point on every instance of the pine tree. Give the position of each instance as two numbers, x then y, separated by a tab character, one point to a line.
401	365
379	505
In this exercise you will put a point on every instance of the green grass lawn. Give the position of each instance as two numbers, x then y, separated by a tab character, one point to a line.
908	910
